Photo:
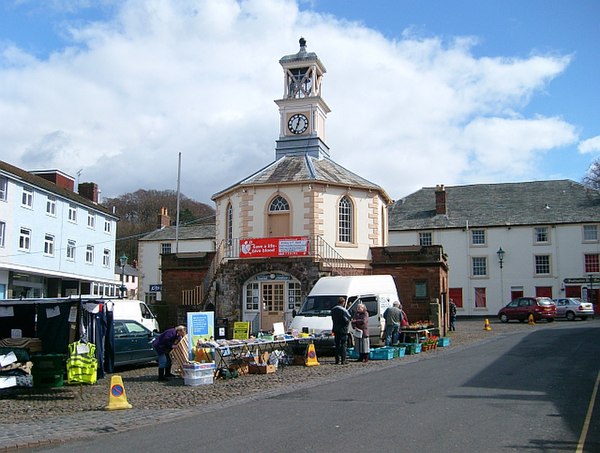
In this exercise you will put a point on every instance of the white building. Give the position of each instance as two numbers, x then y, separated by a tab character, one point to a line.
166	240
537	238
53	242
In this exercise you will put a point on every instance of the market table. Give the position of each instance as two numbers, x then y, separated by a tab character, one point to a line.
227	354
416	334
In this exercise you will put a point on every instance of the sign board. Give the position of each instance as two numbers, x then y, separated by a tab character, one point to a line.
200	327
269	247
155	288
241	330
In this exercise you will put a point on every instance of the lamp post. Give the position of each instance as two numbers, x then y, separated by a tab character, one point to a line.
500	254
123	263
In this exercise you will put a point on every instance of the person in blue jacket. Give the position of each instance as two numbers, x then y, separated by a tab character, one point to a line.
163	344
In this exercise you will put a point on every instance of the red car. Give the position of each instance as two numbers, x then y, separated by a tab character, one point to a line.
522	307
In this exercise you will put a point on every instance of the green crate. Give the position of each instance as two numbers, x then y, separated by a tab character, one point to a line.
48	370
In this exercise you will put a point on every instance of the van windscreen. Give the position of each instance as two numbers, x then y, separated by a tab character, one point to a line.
318	305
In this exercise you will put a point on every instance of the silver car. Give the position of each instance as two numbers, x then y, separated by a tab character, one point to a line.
573	307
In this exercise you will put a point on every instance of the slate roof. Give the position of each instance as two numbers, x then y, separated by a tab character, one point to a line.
488	205
44	184
307	169
185	233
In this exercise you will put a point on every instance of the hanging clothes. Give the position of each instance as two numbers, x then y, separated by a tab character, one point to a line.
82	364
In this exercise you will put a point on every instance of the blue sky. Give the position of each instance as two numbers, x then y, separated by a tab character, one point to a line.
422	92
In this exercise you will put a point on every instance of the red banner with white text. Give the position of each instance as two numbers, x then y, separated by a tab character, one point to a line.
269	247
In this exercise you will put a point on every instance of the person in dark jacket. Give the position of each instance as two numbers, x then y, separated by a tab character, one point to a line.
163	344
341	320
360	323
393	320
452	313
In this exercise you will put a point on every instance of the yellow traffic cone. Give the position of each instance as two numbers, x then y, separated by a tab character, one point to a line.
531	320
311	356
487	325
117	398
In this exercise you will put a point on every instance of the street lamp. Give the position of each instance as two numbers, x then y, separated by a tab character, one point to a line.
500	254
123	263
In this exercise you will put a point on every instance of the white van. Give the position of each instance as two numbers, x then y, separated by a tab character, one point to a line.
135	310
377	292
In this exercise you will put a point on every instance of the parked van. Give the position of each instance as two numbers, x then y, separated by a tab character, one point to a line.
134	310
377	292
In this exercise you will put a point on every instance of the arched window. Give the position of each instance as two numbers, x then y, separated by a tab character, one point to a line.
345	220
279	204
229	225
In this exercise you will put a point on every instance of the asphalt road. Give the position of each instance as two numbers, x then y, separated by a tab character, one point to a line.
528	391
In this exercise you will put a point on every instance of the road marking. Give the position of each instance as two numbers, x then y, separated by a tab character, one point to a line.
588	417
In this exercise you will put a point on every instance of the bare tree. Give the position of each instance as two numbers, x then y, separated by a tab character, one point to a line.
592	177
138	212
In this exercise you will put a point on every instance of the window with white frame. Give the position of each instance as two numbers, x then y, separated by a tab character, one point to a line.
252	296
48	245
25	239
425	238
279	204
541	235
51	205
71	247
592	263
106	258
91	220
27	197
479	266
345	220
480	298
294	294
2	233
3	188
89	254
229	225
477	237
590	233
107	226
72	213
165	248
542	264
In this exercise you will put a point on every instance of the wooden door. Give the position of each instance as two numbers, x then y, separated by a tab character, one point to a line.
279	225
273	296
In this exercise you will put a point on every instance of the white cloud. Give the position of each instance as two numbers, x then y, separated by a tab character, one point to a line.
591	145
199	77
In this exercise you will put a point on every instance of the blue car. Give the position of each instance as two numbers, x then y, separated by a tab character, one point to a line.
133	343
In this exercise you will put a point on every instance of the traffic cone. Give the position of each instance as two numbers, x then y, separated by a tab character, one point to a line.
531	320
487	326
311	356
117	398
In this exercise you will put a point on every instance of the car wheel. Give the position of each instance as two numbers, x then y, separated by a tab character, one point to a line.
570	316
503	318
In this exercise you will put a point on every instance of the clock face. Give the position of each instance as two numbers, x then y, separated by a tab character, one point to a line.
298	123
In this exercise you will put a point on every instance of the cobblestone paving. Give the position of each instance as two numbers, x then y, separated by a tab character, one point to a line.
35	417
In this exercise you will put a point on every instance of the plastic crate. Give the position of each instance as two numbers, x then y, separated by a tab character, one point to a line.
444	341
400	351
381	354
205	380
48	370
351	353
412	348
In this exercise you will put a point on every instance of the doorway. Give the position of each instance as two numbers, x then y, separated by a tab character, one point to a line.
273	297
279	225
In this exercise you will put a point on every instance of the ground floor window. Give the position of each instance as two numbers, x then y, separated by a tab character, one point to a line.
480	298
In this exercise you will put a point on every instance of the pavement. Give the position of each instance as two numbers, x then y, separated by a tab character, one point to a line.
39	417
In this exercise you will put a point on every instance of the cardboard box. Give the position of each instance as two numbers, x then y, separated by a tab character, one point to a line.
261	369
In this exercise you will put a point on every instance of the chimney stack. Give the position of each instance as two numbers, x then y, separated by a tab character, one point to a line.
164	220
440	200
89	190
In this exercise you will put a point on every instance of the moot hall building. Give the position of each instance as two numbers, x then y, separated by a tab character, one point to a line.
301	217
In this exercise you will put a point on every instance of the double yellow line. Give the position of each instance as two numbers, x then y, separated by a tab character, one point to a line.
588	416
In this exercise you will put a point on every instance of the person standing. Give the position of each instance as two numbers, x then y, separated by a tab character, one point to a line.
163	345
341	320
393	319
452	313
360	323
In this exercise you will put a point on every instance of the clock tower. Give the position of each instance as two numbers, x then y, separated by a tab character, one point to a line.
302	110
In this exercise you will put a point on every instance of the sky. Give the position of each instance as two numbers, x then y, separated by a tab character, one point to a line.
421	92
